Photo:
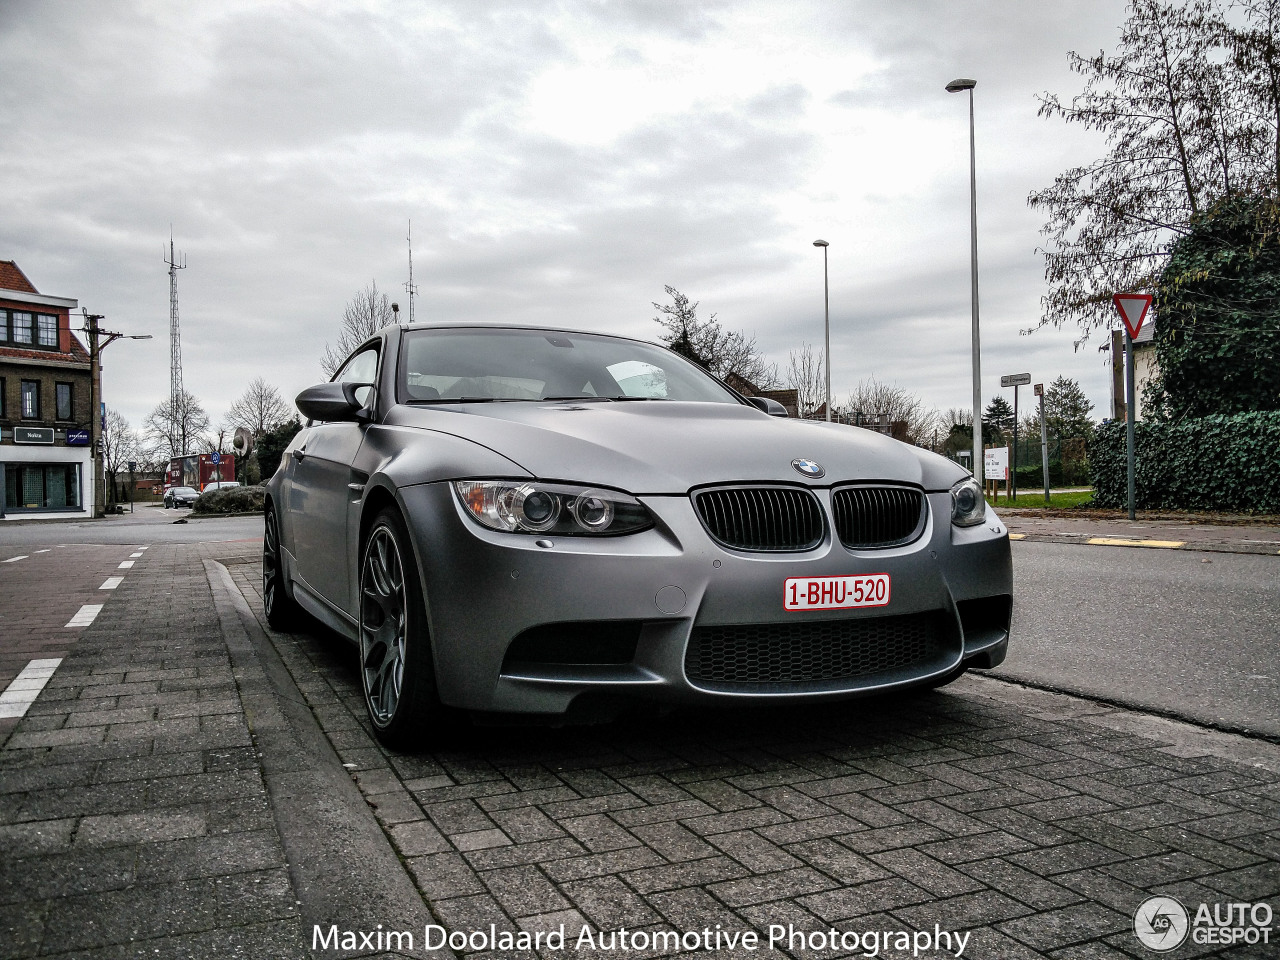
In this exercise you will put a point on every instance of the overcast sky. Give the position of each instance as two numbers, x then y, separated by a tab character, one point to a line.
560	163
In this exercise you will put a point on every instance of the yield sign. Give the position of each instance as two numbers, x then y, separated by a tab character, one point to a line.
1133	309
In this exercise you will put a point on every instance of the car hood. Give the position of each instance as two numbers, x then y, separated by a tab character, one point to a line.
657	447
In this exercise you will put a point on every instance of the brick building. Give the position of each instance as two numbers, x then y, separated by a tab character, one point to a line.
46	464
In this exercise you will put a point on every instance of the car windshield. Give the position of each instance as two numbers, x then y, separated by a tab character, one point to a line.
475	365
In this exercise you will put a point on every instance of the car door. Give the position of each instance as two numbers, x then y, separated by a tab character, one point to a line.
321	494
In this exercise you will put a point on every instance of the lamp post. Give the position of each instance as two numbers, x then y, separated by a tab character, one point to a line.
96	346
826	302
955	86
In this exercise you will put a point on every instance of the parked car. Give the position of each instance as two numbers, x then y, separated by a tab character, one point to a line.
538	521
220	485
180	497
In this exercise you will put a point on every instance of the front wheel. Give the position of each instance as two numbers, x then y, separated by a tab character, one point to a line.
396	670
281	610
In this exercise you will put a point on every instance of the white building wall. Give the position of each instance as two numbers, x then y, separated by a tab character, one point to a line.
11	453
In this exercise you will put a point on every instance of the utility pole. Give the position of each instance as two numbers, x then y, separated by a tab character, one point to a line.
97	344
176	391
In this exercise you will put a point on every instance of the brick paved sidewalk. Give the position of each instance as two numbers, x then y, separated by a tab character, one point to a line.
134	820
170	795
1039	822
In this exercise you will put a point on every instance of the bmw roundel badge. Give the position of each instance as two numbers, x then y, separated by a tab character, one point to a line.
808	468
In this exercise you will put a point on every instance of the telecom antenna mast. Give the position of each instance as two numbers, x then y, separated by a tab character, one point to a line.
175	341
410	287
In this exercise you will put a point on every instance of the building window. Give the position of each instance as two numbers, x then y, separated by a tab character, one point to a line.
30	400
3	390
4	325
22	323
62	397
47	330
41	487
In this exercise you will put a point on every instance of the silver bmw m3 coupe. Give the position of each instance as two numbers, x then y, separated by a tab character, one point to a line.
541	521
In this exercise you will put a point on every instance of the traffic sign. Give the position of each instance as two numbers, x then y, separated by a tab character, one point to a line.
215	458
1015	380
1133	309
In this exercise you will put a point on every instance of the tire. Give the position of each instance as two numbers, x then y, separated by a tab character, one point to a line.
282	612
397	674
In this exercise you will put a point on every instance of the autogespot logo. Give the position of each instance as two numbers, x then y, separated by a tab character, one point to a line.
808	468
1160	923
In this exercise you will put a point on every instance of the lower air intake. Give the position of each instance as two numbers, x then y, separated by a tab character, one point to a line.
820	654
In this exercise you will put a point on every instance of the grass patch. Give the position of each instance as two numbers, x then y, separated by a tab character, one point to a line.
1064	500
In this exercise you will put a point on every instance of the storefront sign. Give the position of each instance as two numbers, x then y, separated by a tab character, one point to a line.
77	438
33	435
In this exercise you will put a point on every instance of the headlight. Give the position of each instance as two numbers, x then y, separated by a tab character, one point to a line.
552	508
968	506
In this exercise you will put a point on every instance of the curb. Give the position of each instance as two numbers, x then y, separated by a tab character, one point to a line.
1206	546
340	861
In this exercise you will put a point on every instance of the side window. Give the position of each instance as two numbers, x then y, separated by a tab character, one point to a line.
362	368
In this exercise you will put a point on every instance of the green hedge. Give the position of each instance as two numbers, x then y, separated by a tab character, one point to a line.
231	500
1214	463
1032	475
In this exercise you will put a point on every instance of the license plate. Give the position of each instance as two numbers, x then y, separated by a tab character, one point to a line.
835	593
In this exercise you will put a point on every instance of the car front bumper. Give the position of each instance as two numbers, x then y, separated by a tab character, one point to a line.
671	590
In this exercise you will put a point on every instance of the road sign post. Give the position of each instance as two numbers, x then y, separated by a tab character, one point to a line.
1044	444
1015	380
1133	309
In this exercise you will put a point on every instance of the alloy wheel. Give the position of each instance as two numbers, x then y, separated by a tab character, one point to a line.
382	625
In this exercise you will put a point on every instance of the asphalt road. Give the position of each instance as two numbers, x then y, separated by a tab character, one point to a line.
149	523
1189	634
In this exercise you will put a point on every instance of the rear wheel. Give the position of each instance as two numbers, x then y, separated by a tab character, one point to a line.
396	669
282	612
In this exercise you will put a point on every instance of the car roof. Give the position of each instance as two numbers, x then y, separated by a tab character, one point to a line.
504	325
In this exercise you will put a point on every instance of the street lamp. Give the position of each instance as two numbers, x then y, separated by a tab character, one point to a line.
955	86
96	346
826	301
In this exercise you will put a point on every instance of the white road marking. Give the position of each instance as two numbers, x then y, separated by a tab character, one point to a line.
111	583
135	555
85	615
125	565
45	550
16	559
26	686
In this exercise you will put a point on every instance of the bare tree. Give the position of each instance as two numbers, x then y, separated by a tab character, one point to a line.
173	431
709	345
119	446
366	313
806	375
872	397
259	409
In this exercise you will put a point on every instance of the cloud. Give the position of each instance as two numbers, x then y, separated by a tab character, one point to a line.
560	162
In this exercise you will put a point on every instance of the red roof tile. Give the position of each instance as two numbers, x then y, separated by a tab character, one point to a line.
78	353
12	278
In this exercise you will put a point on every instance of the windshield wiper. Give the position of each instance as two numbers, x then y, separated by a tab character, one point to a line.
469	400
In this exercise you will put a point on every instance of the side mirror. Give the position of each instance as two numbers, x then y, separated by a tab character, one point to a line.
769	405
332	401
